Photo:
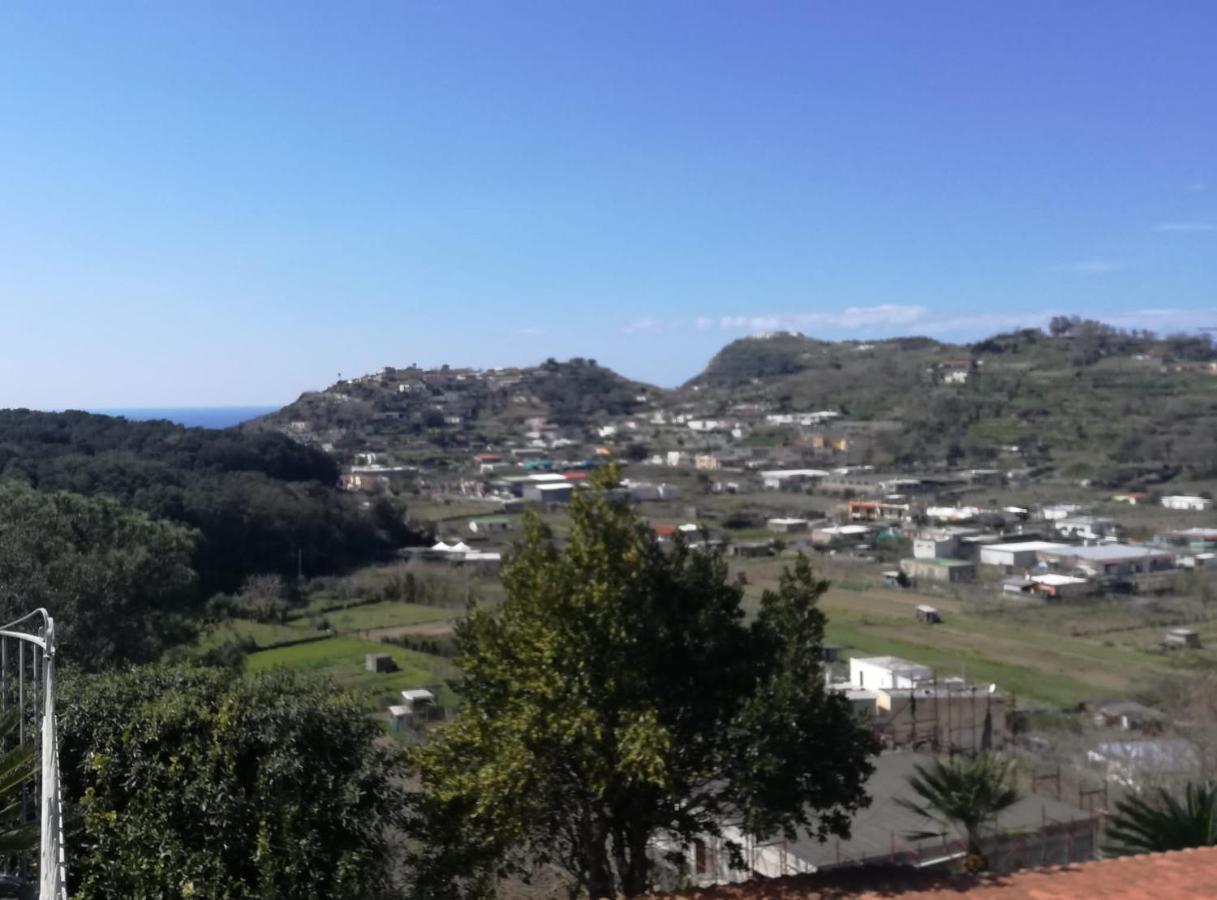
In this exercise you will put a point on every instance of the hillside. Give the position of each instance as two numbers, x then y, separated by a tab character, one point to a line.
1089	400
451	408
259	502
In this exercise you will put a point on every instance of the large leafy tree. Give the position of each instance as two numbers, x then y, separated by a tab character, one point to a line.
966	794
194	783
1168	822
118	582
618	696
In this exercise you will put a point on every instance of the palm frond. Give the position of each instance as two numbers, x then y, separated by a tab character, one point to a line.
965	794
1165	821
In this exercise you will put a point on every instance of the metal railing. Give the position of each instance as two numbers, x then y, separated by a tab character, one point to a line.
27	686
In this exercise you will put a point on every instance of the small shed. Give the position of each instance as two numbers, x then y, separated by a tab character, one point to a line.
417	698
928	615
1181	638
379	662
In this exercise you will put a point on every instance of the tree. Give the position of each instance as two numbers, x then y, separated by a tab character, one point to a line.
118	582
966	794
1139	826
617	696
196	783
635	452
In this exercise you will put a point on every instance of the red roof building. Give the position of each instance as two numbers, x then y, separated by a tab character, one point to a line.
1150	876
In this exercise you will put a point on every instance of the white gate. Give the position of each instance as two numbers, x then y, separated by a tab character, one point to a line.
27	685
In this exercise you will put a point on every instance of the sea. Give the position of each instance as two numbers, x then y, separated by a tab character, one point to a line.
191	416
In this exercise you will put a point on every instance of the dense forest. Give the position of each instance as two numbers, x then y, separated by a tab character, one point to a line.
258	501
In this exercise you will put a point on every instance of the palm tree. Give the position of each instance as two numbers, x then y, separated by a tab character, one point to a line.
1139	826
965	794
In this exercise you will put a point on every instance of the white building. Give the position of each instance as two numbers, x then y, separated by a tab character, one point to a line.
1087	528
1061	511
1017	556
786	525
777	479
877	673
935	546
1185	503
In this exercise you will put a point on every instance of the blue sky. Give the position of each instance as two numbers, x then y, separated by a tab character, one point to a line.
231	203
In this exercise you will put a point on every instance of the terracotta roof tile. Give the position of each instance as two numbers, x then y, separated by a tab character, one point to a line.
1154	876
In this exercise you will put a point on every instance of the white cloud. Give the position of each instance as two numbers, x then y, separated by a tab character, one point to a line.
643	326
529	332
1163	319
850	317
918	320
1185	227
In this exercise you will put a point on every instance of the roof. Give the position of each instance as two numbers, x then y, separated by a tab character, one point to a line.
1180	874
893	664
1167	755
886	827
1108	552
1053	580
1128	708
1033	546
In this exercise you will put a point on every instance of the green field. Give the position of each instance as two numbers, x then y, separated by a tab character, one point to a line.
263	634
342	659
385	615
1057	654
1019	680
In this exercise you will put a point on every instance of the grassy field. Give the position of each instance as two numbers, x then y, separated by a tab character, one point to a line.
263	634
1051	654
384	615
342	658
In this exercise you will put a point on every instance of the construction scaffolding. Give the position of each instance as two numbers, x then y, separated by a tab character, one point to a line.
945	715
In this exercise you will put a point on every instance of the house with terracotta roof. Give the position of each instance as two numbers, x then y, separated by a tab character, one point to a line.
1180	875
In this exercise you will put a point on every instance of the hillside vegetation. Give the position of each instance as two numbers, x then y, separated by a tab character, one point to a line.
259	501
1084	398
1090	399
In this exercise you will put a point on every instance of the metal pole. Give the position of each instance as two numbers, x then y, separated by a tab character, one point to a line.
50	849
21	692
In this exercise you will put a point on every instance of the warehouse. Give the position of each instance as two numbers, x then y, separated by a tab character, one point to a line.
1018	556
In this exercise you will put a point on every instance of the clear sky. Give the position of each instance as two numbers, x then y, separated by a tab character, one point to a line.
210	203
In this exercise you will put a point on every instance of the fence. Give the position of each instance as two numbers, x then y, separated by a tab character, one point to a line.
27	687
